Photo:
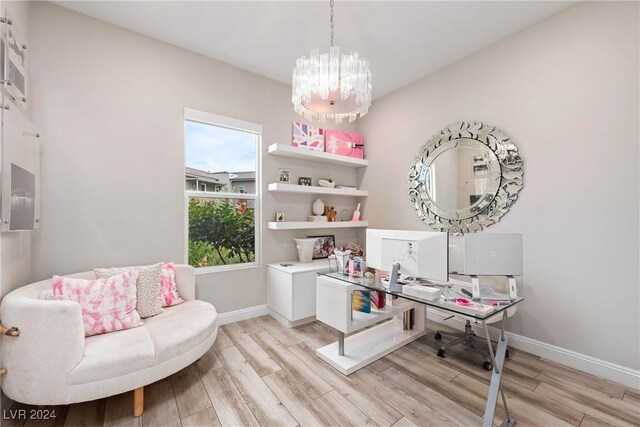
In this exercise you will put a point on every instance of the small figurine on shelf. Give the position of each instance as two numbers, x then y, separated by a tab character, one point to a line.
331	213
356	214
326	182
317	207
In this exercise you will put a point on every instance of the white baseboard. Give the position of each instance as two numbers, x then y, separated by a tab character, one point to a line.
601	368
242	314
289	324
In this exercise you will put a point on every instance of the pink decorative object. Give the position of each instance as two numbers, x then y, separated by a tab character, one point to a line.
344	143
168	287
107	305
464	302
307	136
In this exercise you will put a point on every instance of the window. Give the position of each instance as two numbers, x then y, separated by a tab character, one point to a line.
222	226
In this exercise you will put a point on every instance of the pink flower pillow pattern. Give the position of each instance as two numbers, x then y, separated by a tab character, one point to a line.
168	287
107	305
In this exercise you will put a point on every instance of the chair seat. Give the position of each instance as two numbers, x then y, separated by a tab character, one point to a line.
181	328
163	337
114	354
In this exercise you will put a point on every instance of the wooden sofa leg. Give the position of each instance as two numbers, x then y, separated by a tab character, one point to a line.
12	332
138	401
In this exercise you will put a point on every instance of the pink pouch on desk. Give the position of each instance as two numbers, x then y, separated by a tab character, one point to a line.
344	143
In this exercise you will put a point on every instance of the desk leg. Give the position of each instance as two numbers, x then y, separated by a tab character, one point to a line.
340	343
494	387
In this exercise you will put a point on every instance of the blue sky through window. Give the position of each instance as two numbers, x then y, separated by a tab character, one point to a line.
216	149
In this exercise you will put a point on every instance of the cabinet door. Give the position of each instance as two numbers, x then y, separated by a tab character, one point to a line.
279	292
304	295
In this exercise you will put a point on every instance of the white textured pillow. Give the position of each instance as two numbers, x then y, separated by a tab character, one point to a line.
149	300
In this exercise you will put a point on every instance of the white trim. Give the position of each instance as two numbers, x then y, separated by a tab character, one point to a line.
227	267
582	362
285	322
222	121
220	195
242	314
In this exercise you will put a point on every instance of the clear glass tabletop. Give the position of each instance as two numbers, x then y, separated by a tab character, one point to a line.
449	292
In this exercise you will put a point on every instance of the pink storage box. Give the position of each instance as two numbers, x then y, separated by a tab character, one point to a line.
344	143
306	136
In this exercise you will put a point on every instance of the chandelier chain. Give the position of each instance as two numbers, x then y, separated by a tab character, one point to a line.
331	3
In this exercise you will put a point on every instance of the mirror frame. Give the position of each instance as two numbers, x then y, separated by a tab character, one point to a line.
511	177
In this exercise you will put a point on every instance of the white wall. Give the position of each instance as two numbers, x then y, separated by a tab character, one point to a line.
109	103
16	248
566	91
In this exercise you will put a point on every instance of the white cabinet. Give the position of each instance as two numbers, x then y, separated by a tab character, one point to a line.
291	290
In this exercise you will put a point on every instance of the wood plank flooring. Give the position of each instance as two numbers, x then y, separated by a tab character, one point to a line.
259	373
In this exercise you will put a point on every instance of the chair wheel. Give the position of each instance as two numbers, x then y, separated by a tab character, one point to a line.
437	336
441	353
487	366
506	354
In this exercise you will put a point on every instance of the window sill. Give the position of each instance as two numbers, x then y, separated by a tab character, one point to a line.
224	268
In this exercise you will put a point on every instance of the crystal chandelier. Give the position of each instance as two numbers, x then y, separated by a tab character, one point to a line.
331	85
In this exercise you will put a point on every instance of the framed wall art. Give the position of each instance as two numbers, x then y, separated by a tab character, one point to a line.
324	246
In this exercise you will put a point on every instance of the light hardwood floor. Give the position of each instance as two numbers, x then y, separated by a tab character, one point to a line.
260	373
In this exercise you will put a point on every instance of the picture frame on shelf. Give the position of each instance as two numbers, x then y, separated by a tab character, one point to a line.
344	143
284	175
324	246
279	216
307	136
305	180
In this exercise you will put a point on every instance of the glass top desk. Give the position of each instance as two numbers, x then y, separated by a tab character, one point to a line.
406	315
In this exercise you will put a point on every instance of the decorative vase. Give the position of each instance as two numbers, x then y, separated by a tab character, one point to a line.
318	207
305	249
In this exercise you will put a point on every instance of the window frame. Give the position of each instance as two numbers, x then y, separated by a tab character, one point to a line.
191	115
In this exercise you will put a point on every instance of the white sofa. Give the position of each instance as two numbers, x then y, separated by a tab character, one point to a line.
52	363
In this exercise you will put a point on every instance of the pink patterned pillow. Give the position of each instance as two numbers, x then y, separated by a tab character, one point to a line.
106	305
168	287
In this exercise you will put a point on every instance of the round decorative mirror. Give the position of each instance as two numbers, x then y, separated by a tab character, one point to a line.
465	178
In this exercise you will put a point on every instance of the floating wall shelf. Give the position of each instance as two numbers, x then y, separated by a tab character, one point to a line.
307	225
280	187
316	156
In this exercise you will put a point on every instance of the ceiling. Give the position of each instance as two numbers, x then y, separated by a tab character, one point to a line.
403	41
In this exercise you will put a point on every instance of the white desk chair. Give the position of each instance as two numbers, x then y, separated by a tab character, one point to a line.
469	337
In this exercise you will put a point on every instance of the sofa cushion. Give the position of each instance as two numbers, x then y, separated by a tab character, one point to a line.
148	298
180	328
107	305
114	354
168	286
